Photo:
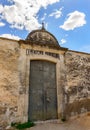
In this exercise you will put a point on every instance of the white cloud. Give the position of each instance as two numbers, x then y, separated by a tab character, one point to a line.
22	14
56	13
44	16
2	24
10	36
63	41
1	8
46	25
74	20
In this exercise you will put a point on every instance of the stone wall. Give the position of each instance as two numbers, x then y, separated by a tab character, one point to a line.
77	90
73	84
9	81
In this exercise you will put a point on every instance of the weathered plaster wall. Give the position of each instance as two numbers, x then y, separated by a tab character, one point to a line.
77	90
9	80
73	84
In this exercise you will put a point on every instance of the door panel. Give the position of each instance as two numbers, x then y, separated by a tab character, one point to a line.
51	104
42	91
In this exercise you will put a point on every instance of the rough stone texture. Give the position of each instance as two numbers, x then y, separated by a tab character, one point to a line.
77	89
9	80
73	84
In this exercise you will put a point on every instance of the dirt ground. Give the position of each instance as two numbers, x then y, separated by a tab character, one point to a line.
80	123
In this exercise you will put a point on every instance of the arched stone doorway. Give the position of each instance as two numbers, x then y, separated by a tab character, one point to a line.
42	91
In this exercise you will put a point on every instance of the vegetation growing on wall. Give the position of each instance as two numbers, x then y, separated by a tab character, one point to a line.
21	126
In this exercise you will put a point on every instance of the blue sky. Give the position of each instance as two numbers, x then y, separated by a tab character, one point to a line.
67	20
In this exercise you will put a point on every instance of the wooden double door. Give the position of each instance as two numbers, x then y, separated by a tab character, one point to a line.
42	91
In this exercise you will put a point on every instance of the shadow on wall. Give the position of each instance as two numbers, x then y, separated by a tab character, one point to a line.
77	107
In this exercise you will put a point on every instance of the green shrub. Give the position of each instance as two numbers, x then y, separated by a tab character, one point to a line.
22	126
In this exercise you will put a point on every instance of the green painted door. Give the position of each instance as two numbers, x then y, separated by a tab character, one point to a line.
42	91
